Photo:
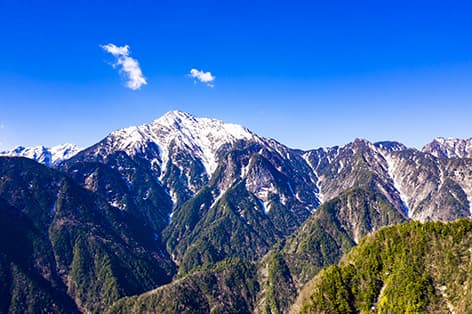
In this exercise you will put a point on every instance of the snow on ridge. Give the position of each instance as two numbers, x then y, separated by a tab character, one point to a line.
391	168
63	152
200	136
32	152
313	168
449	147
265	206
45	155
390	146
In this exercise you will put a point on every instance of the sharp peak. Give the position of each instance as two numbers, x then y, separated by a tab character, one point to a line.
178	114
175	117
362	144
178	121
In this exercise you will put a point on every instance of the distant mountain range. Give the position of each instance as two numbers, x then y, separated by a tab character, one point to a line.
45	155
209	214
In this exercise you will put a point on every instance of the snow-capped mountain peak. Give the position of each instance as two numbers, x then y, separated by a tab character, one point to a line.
202	137
174	117
63	151
194	127
47	156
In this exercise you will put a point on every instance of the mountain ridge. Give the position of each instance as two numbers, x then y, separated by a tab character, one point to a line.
449	147
208	193
440	147
49	156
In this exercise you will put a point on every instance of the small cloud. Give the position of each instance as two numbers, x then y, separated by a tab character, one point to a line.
128	66
204	77
2	126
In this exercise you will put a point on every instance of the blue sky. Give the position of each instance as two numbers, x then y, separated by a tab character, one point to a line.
307	73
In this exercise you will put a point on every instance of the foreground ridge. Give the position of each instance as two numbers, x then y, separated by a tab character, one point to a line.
421	268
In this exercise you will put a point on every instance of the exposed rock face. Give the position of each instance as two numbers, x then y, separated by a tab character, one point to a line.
449	148
432	188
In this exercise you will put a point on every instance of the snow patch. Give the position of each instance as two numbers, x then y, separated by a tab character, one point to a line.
220	195
264	191
173	197
118	204
341	166
245	170
265	206
319	195
391	167
441	175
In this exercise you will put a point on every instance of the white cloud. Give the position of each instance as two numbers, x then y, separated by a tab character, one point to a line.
204	77
128	66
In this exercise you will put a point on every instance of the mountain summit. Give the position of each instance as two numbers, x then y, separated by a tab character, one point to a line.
180	173
202	137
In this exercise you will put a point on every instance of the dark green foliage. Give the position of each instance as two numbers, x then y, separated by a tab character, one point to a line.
336	293
93	281
226	287
279	287
323	239
186	217
229	229
194	170
410	268
215	224
129	183
69	244
28	280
